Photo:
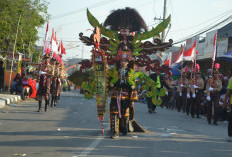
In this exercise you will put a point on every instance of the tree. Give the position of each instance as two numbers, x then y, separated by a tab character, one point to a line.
33	15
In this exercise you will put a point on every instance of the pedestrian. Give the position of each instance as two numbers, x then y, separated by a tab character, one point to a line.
228	104
1	77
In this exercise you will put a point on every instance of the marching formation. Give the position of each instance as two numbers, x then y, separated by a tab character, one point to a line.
50	76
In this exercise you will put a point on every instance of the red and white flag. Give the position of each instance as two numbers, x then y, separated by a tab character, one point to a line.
46	39
54	46
179	58
214	47
189	55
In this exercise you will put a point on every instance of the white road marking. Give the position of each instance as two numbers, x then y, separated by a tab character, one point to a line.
93	145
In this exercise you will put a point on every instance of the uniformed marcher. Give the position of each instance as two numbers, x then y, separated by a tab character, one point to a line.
53	80
191	96
44	81
182	88
213	88
58	73
199	88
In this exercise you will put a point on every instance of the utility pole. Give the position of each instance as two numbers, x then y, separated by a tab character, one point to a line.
12	62
164	16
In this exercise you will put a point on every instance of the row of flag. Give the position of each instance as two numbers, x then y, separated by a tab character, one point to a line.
54	47
190	54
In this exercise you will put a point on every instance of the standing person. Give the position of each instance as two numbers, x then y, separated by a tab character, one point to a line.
45	72
199	88
190	95
53	80
121	98
183	91
160	83
213	88
229	105
58	73
1	76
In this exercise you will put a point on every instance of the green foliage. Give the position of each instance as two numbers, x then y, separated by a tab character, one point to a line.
31	14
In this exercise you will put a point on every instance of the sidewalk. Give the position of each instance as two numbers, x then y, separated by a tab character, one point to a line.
6	99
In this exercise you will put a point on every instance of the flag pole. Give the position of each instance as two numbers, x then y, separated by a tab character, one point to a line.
181	71
213	54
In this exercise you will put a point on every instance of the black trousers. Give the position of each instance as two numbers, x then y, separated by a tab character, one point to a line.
150	105
230	122
199	95
215	97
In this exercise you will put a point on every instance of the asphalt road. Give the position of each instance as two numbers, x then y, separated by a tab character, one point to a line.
72	130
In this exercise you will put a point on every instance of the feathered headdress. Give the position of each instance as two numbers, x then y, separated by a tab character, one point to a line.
125	18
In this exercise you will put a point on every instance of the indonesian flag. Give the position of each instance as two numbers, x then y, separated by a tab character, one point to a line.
54	42
46	40
214	47
167	62
189	54
179	58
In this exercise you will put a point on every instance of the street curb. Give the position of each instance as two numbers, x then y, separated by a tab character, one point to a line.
9	100
2	103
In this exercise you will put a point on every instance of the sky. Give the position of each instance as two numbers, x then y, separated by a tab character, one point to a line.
68	18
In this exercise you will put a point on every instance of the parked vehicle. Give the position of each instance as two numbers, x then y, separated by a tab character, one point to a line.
29	88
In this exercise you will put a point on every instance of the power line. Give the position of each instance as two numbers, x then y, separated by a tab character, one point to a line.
219	17
204	30
83	9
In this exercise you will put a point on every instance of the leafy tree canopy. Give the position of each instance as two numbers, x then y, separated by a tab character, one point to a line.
31	14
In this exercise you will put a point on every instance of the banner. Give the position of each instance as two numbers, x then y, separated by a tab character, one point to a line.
99	65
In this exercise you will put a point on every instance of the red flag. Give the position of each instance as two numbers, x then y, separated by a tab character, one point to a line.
167	62
62	48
